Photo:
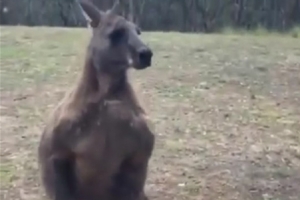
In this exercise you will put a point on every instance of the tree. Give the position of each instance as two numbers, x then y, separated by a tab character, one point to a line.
41	12
178	15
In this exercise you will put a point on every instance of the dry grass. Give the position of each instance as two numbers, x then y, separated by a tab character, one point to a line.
226	110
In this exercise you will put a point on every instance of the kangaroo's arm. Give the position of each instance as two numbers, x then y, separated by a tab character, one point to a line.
63	178
61	161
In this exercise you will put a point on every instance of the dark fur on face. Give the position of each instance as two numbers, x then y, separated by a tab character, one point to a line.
97	143
116	42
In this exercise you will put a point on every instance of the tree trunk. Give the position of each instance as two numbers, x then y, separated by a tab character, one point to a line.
42	12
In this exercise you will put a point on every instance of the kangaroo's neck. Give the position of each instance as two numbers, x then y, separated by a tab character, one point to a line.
94	86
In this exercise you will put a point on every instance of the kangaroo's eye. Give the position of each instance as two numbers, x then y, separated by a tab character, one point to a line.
118	35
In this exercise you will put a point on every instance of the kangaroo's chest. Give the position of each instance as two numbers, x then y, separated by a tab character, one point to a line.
114	134
110	135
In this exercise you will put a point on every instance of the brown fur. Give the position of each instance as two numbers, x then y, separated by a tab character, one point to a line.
97	143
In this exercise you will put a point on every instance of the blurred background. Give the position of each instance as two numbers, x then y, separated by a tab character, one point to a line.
162	15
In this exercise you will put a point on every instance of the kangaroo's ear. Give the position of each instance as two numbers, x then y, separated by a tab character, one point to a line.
116	8
91	12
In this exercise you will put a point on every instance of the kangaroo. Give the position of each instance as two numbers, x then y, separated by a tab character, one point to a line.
97	144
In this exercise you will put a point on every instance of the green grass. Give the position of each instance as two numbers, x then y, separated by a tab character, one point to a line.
225	109
7	172
261	31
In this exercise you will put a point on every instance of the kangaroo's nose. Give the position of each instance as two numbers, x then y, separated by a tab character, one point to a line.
145	56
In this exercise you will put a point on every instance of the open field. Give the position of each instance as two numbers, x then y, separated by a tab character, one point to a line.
225	108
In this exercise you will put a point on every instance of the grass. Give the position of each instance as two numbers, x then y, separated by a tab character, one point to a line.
261	31
6	174
225	109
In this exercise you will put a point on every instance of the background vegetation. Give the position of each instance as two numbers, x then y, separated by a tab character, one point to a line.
163	15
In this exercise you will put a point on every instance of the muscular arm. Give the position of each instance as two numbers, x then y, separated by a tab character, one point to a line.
131	179
62	164
64	188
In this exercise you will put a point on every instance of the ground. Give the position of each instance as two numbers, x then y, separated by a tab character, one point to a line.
225	110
